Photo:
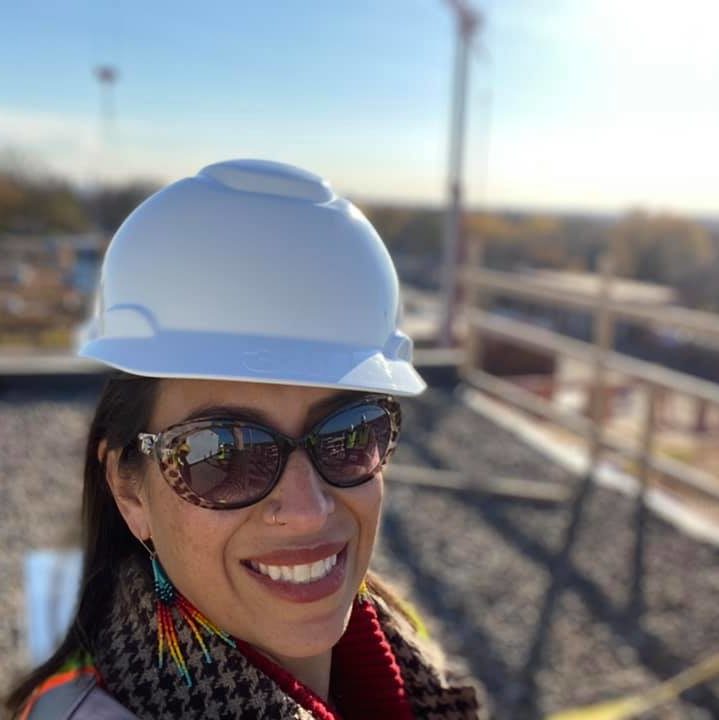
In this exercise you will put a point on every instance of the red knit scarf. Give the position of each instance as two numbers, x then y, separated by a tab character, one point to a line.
365	681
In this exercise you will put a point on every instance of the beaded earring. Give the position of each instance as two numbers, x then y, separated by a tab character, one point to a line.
166	598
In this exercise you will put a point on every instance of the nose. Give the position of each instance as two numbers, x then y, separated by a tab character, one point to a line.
305	500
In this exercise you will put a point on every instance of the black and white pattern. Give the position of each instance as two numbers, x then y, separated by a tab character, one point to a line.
230	686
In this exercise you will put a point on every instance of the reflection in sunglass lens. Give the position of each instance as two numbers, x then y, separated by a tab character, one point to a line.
351	445
228	464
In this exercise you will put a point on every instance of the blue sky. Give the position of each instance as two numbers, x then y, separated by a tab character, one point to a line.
573	104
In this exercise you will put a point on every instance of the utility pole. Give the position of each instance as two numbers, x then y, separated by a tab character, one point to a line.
468	21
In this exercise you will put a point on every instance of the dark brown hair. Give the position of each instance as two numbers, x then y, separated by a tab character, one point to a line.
123	410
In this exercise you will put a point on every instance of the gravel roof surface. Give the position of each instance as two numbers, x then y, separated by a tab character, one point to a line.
537	601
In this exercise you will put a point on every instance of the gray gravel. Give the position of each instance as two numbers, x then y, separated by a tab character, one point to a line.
543	624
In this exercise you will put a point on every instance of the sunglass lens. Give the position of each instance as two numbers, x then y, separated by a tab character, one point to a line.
351	445
228	464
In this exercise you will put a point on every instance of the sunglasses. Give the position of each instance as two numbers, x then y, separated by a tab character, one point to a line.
224	463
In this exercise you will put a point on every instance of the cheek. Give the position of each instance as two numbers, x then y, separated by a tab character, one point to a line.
365	503
368	507
190	540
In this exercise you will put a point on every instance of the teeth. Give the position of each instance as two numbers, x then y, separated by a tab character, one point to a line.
318	569
297	573
302	573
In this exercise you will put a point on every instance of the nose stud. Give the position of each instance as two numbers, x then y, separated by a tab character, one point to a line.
274	518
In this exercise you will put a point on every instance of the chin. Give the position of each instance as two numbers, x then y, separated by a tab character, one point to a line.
310	637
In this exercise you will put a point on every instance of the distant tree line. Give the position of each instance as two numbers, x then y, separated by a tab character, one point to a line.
662	248
659	248
33	205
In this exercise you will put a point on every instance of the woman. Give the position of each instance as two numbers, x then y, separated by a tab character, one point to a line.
233	473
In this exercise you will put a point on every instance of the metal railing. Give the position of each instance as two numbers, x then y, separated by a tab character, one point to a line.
480	283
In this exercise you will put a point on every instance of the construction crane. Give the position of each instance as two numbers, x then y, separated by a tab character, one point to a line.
468	22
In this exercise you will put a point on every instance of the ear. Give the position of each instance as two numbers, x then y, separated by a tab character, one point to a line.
128	492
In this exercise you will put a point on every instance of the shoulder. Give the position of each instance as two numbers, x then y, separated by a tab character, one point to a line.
74	696
430	683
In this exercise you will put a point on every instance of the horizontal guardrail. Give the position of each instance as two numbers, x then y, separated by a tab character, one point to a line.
606	305
702	323
537	338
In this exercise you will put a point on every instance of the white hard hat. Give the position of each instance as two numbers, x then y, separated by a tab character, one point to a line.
252	270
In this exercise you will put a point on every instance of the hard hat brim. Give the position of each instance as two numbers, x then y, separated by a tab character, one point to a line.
218	356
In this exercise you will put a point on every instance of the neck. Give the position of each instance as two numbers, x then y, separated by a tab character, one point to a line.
314	672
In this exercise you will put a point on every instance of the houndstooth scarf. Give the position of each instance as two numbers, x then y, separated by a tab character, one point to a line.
234	687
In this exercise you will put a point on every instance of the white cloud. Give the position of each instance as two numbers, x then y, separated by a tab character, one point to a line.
33	128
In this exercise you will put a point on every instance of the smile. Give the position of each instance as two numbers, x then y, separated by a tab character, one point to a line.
301	575
297	573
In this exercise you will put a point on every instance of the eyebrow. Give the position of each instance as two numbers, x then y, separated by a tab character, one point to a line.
260	416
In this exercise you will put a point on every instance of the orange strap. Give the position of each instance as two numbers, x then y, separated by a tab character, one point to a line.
53	682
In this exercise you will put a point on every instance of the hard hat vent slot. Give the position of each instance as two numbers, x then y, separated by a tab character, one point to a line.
129	321
398	347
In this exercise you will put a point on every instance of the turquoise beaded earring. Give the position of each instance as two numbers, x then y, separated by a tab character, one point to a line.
166	598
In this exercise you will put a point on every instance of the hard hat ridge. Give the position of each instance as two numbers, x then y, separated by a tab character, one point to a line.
270	178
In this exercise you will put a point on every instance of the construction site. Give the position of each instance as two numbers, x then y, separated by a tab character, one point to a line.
551	514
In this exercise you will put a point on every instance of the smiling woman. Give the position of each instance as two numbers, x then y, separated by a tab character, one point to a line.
233	477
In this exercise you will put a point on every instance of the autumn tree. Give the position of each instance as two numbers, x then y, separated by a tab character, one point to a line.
661	248
39	206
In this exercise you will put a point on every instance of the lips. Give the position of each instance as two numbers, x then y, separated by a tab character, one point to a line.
288	574
298	556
